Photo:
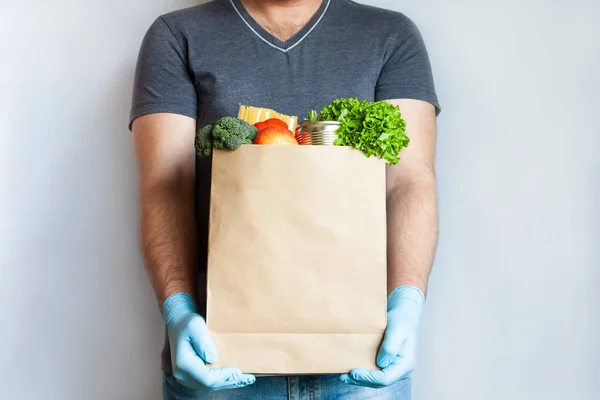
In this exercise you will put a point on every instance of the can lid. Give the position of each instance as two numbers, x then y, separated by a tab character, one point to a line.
319	126
321	123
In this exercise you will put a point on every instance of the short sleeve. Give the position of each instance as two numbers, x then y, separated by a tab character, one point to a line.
407	73
162	79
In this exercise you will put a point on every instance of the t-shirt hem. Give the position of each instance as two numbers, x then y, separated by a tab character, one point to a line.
408	93
153	108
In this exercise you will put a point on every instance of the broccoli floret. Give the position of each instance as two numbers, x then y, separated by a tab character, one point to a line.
204	141
230	133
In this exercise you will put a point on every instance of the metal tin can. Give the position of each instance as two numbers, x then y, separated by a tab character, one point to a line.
319	133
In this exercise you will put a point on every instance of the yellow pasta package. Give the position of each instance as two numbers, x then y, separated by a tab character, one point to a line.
252	115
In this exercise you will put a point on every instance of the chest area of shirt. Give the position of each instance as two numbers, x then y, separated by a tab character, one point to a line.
291	83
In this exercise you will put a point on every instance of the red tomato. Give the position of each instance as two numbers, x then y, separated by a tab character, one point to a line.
271	122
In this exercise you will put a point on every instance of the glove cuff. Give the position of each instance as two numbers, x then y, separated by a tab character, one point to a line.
405	293
177	305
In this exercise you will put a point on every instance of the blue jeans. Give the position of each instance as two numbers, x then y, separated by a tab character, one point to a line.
321	387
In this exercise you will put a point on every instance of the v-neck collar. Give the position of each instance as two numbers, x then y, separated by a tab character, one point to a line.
270	39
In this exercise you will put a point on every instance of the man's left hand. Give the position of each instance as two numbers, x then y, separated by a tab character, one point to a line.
397	355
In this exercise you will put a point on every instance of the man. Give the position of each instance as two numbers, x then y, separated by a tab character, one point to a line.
197	65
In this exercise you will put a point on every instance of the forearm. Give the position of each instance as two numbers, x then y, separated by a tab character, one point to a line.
169	239
412	232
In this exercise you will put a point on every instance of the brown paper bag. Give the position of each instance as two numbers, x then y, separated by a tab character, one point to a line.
297	259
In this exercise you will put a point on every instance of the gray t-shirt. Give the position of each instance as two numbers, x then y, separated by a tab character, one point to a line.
204	61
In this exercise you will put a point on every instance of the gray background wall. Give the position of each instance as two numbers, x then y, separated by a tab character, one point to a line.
512	312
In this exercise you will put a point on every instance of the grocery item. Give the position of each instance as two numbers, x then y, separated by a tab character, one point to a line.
375	128
204	141
230	133
227	133
321	133
275	135
271	122
252	115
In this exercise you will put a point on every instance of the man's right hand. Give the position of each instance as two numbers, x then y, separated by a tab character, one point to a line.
192	348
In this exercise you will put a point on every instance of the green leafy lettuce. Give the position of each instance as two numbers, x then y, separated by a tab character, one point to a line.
375	128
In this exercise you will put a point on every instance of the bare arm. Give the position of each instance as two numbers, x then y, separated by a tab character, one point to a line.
412	200
164	147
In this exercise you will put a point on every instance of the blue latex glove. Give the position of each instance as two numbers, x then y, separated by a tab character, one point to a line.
192	348
397	355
